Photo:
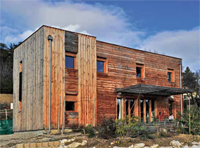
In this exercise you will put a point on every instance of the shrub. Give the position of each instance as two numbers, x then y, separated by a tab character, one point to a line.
183	126
107	129
89	130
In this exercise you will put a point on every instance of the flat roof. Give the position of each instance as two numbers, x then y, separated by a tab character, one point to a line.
100	41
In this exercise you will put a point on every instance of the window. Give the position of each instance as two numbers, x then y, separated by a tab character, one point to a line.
139	70
170	75
20	85
119	108
70	60
69	106
129	107
101	65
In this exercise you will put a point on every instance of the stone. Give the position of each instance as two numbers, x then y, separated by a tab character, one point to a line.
84	142
166	147
19	146
195	146
175	144
185	146
154	146
139	145
146	147
195	143
73	145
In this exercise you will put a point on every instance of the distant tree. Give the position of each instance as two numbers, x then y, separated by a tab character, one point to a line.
6	67
191	80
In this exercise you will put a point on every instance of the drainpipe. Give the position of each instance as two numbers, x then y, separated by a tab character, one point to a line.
180	66
50	39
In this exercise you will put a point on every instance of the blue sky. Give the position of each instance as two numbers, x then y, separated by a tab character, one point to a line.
165	27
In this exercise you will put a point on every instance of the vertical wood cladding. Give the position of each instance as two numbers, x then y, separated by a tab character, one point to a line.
71	42
57	75
31	54
86	62
122	72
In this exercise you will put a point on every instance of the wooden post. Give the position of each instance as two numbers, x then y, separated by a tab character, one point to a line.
144	111
189	118
59	114
150	111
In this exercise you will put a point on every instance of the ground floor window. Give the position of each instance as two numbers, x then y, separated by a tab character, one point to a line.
130	107
119	108
70	106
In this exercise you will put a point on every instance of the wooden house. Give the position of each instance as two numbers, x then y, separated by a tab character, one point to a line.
67	77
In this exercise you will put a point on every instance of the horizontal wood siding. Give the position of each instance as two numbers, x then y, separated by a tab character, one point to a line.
31	54
122	72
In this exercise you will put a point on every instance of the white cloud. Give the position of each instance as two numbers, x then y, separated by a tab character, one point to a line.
182	43
107	23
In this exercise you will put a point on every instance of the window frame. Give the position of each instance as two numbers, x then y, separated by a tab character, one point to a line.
172	75
71	55
142	70
104	60
121	108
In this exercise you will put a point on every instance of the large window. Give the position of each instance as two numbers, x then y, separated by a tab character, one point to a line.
101	65
139	70
70	60
129	107
119	108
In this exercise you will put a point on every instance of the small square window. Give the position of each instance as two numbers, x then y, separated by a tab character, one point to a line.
69	62
69	106
139	70
100	66
169	76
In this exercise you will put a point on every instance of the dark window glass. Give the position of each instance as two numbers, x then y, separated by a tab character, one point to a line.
170	107
100	66
69	62
20	86
138	71
132	107
119	112
127	107
152	110
169	75
147	111
69	106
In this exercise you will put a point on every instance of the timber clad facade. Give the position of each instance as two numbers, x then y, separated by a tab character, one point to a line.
84	75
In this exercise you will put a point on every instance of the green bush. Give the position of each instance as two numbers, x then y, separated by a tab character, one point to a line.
89	130
183	126
107	129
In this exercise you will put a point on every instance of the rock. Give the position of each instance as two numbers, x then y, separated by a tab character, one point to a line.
185	146
84	142
124	147
163	130
139	145
195	146
62	142
154	146
175	144
131	146
73	145
112	143
146	147
166	147
195	143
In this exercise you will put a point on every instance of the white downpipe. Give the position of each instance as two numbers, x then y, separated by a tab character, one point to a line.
50	39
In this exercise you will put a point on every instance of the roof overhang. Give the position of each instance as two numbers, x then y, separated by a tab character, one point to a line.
152	90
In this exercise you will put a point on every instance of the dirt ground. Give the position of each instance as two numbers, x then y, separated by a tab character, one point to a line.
126	141
39	136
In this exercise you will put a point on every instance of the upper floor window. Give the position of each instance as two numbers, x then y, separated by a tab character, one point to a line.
101	65
140	70
170	75
70	60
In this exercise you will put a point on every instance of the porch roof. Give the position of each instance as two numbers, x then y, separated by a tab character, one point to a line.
152	90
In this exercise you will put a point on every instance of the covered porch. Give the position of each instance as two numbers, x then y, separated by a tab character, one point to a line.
146	101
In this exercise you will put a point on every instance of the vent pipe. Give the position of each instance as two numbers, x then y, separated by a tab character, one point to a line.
50	39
